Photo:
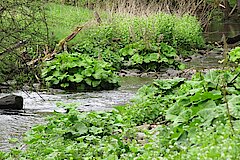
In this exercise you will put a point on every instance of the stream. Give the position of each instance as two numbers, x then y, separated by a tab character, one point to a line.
36	105
14	123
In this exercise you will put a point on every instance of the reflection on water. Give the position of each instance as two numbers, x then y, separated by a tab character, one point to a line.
215	30
208	61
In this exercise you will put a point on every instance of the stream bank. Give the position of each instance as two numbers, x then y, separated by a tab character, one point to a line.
14	124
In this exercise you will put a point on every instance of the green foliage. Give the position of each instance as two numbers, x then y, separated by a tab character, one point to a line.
79	72
182	102
63	19
152	57
234	55
190	118
23	31
146	43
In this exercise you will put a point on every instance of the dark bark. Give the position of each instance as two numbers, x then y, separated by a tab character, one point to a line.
238	3
233	40
227	9
11	102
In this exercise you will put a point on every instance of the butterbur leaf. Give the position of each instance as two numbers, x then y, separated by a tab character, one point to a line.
181	66
183	117
234	55
234	105
72	69
78	78
71	78
136	59
131	51
163	59
185	101
88	81
96	130
62	76
214	95
56	81
95	83
64	85
173	112
88	72
81	128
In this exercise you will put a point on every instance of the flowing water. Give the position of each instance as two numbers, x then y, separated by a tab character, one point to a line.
14	124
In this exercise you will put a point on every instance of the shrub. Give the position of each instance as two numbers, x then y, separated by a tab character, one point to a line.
79	72
189	120
161	34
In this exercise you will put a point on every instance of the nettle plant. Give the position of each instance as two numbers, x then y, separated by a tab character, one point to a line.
79	72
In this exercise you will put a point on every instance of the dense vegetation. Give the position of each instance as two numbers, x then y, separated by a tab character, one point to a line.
190	119
168	119
79	72
145	43
23	35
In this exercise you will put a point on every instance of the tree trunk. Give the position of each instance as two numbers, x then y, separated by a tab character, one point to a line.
238	4
227	9
11	102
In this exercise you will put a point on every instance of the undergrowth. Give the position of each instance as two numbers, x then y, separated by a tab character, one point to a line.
149	43
79	72
190	119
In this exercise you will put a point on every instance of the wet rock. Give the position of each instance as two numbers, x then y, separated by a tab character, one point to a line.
141	136
187	59
202	52
11	102
144	75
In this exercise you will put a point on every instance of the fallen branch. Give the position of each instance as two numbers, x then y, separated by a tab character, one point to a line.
62	45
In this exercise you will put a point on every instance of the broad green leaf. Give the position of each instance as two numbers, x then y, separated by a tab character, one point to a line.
64	85
152	57
136	59
88	81
87	72
81	128
78	78
95	83
234	105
